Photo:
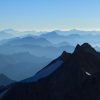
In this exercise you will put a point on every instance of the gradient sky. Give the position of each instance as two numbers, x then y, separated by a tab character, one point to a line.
50	14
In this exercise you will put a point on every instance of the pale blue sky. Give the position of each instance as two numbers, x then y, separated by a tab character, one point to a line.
50	14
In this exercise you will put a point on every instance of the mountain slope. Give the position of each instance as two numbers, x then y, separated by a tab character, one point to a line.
21	65
4	80
75	78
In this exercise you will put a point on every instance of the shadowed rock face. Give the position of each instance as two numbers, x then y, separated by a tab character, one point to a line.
77	78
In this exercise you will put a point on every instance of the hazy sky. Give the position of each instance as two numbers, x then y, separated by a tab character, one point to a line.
50	14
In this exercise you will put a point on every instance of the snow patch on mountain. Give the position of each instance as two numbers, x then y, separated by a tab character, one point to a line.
87	73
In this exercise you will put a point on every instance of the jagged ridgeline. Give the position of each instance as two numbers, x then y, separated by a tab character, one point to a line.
72	76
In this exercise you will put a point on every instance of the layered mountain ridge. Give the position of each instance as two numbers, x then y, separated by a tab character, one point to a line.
69	77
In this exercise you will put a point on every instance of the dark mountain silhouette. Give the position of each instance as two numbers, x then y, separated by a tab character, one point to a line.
73	76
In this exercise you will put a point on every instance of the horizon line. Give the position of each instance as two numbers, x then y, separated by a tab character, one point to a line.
50	30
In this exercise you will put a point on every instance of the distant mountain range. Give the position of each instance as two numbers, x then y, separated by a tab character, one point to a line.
24	56
72	36
28	40
72	76
37	46
4	35
38	50
19	66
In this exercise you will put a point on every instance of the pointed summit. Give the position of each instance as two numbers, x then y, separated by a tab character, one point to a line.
85	47
88	47
77	49
65	55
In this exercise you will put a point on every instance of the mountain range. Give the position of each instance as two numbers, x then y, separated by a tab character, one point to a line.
38	46
21	65
25	53
21	57
62	36
71	76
